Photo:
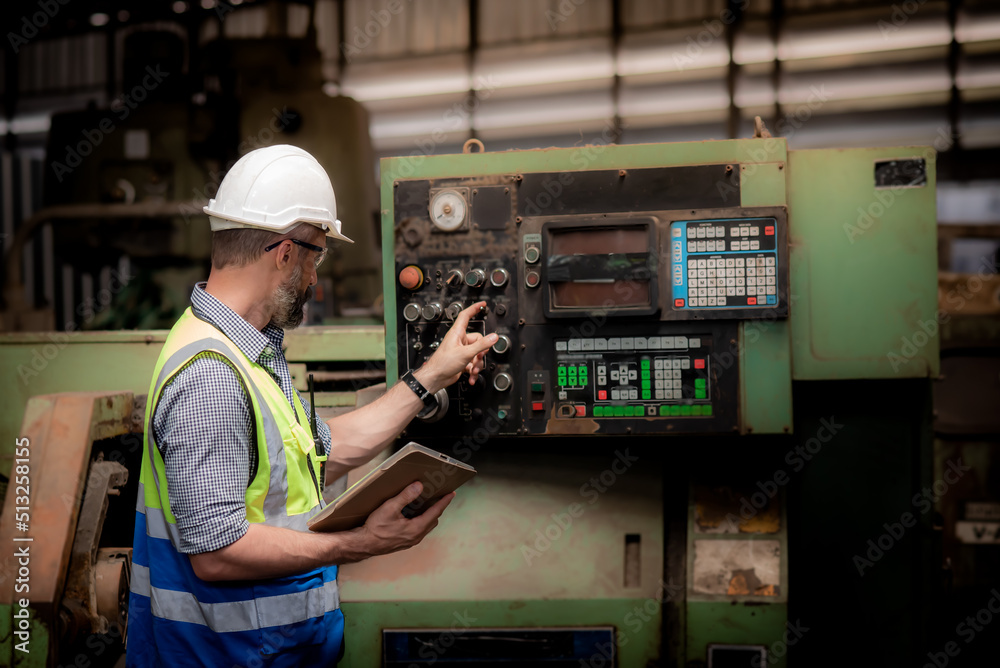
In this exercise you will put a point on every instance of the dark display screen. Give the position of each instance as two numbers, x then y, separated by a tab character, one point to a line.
591	268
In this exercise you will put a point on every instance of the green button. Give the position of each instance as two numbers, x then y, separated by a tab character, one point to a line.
639	411
583	368
699	394
696	410
561	371
685	410
675	410
645	384
629	411
646	394
598	411
706	410
644	364
537	387
562	382
501	414
645	373
664	410
619	411
699	383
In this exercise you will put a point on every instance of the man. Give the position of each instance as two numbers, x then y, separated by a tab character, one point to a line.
225	572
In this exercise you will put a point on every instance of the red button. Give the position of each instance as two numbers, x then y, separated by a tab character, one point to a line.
752	301
699	364
769	229
581	411
678	303
538	406
602	395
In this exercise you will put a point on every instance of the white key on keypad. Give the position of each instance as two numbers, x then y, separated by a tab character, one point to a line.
769	261
700	233
710	232
702	264
730	262
734	245
770	289
711	300
754	231
744	245
720	231
730	292
754	245
692	247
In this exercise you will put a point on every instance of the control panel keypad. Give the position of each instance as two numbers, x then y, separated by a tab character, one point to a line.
658	376
724	264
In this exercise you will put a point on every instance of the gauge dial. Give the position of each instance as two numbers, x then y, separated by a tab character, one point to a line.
448	210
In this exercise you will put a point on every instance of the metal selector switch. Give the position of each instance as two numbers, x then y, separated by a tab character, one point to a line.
499	278
455	278
453	310
431	311
475	278
502	382
502	345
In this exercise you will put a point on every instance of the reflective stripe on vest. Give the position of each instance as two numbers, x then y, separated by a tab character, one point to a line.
174	610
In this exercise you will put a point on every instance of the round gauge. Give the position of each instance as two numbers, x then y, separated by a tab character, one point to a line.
448	210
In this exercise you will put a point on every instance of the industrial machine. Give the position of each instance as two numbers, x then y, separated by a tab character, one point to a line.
640	458
708	397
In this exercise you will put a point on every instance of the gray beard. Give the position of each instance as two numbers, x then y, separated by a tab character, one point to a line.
289	304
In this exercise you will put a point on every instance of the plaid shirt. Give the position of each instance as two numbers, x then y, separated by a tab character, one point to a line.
205	431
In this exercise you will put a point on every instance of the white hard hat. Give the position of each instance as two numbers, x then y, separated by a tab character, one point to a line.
275	188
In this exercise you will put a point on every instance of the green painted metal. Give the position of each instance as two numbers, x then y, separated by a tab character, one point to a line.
37	654
638	631
761	178
741	624
751	620
765	377
108	361
864	267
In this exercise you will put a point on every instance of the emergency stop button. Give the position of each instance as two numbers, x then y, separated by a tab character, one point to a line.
411	277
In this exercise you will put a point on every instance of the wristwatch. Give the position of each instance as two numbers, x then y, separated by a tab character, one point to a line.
426	396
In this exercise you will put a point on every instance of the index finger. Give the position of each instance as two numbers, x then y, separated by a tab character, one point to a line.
462	319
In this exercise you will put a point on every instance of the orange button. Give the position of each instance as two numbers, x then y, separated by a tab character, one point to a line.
699	364
538	406
752	301
411	277
602	395
679	303
769	229
581	411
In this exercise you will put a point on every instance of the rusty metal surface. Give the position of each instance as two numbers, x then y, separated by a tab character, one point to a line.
726	509
112	576
60	429
968	294
104	479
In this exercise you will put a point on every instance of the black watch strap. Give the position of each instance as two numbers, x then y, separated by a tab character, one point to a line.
426	396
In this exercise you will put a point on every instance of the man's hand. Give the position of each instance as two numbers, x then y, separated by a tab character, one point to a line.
388	531
460	351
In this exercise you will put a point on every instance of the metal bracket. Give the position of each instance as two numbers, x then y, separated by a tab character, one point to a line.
103	480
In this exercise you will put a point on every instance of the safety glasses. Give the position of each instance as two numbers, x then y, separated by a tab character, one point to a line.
313	247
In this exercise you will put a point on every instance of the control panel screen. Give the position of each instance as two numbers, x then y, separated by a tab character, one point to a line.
604	268
724	264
